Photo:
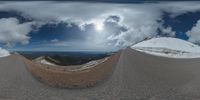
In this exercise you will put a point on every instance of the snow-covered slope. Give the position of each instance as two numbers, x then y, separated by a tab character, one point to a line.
4	52
42	60
169	47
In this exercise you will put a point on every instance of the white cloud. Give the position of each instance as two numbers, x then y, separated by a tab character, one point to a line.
167	31
177	8
11	31
139	19
194	33
4	52
55	40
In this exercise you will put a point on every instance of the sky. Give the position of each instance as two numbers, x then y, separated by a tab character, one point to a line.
94	26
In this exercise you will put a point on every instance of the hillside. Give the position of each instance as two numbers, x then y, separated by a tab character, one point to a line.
168	47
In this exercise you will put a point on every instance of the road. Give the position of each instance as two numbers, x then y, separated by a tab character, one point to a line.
137	76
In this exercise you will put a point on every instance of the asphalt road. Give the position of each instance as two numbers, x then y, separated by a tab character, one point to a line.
137	76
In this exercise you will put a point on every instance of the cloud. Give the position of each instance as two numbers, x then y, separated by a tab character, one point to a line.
4	52
55	40
113	19
194	33
131	23
177	8
12	32
166	31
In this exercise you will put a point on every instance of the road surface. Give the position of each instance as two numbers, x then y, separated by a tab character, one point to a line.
137	76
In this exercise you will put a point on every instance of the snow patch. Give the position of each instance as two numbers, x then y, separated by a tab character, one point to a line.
93	63
4	53
43	61
168	47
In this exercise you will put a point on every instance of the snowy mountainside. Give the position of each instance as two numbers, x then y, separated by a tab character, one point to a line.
168	47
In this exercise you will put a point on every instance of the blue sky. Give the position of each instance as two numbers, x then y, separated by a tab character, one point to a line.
78	26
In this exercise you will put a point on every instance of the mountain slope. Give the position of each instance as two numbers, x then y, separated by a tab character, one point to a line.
168	47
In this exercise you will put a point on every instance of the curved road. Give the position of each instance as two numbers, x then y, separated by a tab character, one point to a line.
137	76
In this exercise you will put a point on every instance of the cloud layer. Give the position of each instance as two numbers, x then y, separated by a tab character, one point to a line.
130	23
4	52
12	32
194	33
